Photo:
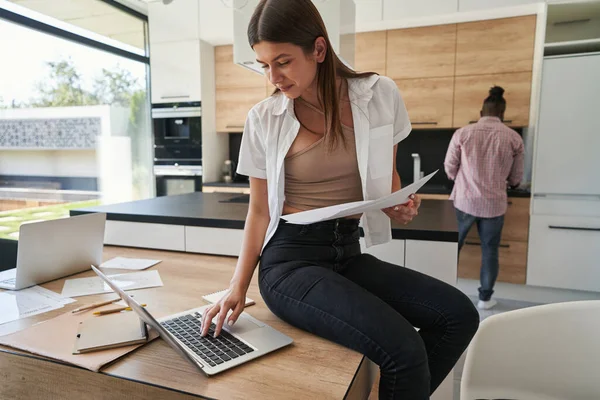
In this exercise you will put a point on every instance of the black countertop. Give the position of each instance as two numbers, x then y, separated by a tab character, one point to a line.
436	220
429	188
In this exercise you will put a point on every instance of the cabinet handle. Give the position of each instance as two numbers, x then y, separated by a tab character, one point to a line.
508	121
574	228
234	126
424	123
504	246
186	96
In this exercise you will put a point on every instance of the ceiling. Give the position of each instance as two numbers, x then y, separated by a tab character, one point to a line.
93	15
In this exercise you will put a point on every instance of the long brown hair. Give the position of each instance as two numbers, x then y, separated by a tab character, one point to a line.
298	22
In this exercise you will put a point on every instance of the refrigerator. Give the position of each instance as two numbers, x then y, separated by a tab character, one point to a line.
564	235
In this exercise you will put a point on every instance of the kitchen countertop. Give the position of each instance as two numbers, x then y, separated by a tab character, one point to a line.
427	189
436	220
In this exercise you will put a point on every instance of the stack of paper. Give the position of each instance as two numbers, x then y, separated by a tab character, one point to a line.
95	285
27	302
129	263
357	207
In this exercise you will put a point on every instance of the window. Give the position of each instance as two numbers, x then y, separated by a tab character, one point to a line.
74	114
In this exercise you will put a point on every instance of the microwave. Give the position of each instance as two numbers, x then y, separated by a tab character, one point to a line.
177	124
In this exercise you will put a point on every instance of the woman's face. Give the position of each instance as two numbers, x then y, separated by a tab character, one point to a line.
288	67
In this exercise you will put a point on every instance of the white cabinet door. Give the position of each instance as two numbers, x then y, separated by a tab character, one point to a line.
564	252
219	241
568	136
436	259
173	22
145	235
405	9
175	71
474	5
392	252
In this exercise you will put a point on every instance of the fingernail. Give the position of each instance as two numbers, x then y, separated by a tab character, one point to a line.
230	323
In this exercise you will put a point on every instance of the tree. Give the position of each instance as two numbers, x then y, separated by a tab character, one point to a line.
62	87
116	86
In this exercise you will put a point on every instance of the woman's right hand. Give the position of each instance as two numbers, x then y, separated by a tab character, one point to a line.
234	299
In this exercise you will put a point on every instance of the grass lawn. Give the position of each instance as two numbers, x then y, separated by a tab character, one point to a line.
10	221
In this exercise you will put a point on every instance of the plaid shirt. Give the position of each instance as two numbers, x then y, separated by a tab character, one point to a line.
481	159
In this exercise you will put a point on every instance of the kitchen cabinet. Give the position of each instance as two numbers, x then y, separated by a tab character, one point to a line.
175	71
512	258
177	21
513	246
421	52
495	46
405	9
564	252
437	259
370	52
471	91
516	222
475	5
237	91
428	101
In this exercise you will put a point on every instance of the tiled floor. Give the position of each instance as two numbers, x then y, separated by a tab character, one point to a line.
502	306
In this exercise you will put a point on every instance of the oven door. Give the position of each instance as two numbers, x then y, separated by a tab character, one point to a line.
179	126
174	179
174	185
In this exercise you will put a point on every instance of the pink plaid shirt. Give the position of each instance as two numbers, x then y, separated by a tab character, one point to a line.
481	159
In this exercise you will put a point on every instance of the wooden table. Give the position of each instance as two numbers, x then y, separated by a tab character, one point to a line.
310	368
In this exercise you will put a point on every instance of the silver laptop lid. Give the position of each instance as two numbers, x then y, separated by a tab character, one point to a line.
148	318
53	249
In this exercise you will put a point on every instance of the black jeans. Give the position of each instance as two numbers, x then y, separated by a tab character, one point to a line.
315	278
490	232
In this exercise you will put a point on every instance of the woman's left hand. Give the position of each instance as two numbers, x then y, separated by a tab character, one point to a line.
404	213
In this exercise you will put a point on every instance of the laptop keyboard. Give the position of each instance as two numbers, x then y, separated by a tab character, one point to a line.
214	351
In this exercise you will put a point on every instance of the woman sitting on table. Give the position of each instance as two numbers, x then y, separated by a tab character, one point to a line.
329	136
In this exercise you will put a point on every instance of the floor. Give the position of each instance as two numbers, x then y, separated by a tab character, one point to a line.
503	305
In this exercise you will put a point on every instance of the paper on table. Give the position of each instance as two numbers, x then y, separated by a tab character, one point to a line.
357	207
25	303
51	295
95	285
129	263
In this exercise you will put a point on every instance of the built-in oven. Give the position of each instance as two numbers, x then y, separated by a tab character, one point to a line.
177	179
177	124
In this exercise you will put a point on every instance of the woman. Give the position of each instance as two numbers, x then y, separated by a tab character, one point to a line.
328	136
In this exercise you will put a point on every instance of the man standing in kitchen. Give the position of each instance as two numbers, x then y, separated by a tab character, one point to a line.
483	158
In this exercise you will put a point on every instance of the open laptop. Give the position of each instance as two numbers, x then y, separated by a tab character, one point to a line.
246	340
53	249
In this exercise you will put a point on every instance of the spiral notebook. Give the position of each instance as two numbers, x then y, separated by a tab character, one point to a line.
214	297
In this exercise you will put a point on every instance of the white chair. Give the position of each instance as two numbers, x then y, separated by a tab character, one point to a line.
549	352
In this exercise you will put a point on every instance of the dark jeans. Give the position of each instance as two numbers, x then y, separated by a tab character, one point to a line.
490	231
315	278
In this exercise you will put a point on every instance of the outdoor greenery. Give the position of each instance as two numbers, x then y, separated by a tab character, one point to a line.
11	220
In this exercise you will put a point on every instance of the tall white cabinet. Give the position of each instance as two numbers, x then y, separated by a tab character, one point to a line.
175	56
564	238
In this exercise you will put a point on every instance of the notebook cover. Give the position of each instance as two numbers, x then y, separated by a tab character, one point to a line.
54	339
214	297
109	331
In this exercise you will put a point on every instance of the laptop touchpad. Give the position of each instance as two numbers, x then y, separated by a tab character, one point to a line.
243	325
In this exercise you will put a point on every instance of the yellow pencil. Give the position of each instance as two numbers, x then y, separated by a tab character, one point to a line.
94	305
115	310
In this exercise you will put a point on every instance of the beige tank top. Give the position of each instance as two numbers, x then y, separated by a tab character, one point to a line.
315	178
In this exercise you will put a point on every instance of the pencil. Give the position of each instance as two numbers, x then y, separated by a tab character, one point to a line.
94	305
115	310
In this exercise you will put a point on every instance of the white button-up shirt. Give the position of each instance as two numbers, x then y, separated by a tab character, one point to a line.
380	121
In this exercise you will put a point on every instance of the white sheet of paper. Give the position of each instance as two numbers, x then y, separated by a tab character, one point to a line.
136	264
24	303
357	207
51	295
95	285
